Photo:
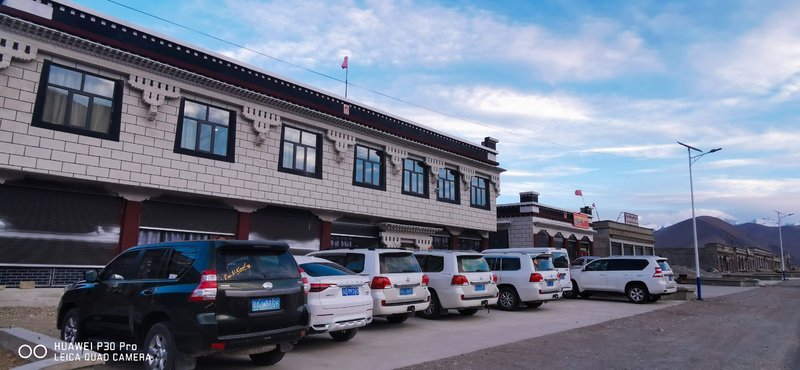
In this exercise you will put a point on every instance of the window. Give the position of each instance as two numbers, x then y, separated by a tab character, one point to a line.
441	242
79	102
120	268
301	152
368	170
472	264
430	263
151	266
510	264
205	131
598	265
317	269
448	186
469	244
255	264
393	263
414	178
181	259
351	261
479	193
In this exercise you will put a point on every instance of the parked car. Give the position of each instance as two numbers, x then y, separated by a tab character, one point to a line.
398	286
339	300
560	262
524	277
457	280
181	300
640	278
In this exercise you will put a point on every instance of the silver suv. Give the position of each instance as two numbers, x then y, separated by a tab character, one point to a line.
524	277
399	288
458	280
640	278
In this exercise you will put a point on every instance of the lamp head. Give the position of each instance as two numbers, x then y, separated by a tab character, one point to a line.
714	150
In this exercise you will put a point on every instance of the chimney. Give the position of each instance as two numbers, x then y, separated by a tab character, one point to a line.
528	196
490	142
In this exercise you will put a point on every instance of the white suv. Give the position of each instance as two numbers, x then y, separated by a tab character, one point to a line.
524	277
399	288
458	280
640	278
560	261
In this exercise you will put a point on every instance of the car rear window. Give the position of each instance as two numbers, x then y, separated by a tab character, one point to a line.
664	265
255	264
316	269
392	263
543	263
472	264
560	260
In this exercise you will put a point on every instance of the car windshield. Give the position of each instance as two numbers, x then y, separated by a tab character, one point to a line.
664	265
543	263
392	263
472	264
255	264
316	269
560	260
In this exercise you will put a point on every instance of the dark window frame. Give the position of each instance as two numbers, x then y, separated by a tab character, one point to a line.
413	176
364	162
318	154
473	192
230	155
41	97
440	181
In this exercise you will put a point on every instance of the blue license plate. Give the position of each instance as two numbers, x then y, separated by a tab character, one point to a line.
348	291
265	304
550	283
406	291
480	288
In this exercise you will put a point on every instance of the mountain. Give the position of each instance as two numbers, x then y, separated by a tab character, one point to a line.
714	230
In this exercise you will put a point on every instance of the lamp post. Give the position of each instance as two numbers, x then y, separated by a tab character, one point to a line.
780	241
693	159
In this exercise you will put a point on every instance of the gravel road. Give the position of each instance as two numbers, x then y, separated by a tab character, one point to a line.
755	329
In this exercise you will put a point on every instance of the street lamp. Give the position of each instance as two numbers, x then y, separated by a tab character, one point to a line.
693	159
780	241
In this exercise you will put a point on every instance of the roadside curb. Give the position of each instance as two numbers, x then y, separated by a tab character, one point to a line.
53	354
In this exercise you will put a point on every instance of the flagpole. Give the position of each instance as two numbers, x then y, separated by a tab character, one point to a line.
346	74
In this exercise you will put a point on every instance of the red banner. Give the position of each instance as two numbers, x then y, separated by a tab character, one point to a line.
580	220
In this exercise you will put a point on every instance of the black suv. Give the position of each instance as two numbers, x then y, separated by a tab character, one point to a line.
181	300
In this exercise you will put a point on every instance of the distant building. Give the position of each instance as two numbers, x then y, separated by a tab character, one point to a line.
725	258
616	239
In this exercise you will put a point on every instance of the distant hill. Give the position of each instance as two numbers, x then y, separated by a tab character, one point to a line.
714	230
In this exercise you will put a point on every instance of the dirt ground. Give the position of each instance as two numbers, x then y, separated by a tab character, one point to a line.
756	329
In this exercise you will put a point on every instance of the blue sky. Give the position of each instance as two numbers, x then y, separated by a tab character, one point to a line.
589	95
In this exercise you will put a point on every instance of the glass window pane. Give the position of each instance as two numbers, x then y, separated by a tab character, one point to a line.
368	173
189	134
311	160
194	110
291	134
406	181
78	111
288	155
100	121
376	175
99	86
221	140
219	116
55	106
359	171
204	144
361	152
374	156
309	139
64	77
299	158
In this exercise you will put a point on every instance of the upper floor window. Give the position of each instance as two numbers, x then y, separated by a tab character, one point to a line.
414	178
301	152
448	186
79	102
368	168
206	131
479	193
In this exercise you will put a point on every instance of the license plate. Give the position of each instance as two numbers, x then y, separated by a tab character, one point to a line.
480	288
406	291
350	291
550	283
265	304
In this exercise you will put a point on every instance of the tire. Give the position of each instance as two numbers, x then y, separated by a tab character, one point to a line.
508	299
159	346
434	310
637	293
585	294
397	319
571	293
655	297
467	311
71	330
343	335
534	304
268	358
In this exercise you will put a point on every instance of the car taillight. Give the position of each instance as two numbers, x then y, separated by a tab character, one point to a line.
207	289
316	288
536	277
459	280
494	278
304	279
561	275
658	273
425	280
380	282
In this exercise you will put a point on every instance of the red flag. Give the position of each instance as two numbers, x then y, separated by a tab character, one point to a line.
594	206
578	193
344	63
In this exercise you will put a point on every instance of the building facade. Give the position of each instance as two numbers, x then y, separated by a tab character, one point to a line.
725	258
532	224
112	136
616	239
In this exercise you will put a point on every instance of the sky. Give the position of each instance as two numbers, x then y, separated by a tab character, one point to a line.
589	95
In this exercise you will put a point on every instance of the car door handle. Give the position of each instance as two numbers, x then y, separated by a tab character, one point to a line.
149	291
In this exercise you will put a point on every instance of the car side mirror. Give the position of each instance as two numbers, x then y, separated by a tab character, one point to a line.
116	277
90	276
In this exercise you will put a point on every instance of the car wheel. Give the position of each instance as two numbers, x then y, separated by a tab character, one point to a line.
637	293
343	335
434	310
573	293
655	297
268	358
160	348
534	304
397	319
71	330
585	294
467	311
508	299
